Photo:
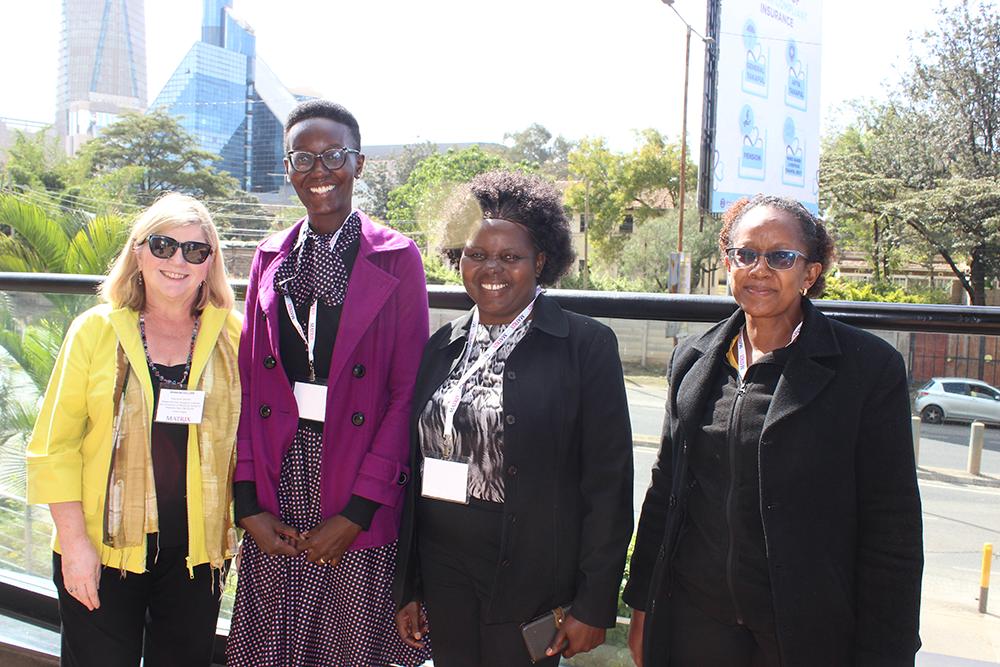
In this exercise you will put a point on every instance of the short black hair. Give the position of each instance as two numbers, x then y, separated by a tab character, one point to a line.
819	242
324	109
534	203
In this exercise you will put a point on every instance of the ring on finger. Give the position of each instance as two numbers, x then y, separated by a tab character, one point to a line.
71	589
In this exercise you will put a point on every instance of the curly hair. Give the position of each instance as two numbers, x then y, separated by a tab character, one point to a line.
324	109
534	203
814	234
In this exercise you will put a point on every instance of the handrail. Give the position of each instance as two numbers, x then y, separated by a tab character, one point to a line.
634	305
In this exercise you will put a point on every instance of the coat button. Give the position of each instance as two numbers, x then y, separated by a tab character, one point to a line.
357	419
511	375
511	518
505	564
673	500
510	419
270	362
359	371
512	470
265	411
403	478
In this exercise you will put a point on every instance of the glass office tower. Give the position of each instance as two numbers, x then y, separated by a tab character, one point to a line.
231	100
102	66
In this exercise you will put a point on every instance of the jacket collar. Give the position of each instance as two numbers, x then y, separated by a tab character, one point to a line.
374	238
803	378
547	317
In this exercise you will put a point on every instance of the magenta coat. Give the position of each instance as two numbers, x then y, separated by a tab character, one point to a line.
382	334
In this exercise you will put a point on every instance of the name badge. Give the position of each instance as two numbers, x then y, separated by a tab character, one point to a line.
311	399
446	480
178	406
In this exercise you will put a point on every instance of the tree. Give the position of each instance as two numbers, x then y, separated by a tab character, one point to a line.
433	181
646	255
535	145
379	182
618	182
166	152
36	160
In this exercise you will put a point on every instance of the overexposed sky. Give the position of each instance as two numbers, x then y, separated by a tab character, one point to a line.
459	71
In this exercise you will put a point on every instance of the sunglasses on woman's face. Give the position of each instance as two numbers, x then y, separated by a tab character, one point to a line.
779	260
164	247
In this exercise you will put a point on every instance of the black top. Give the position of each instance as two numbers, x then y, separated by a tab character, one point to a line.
169	452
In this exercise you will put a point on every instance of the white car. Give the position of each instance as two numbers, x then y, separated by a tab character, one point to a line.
959	399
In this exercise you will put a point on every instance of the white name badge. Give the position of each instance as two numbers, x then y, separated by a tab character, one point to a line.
177	406
311	399
446	480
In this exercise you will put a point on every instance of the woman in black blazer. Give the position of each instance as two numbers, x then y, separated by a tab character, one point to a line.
525	498
782	526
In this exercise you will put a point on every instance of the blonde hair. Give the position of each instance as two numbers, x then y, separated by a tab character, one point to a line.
123	287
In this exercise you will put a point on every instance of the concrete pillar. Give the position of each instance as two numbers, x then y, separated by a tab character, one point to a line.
976	447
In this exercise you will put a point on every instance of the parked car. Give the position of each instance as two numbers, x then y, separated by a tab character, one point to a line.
959	399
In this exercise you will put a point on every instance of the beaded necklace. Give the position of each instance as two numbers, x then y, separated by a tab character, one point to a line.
145	348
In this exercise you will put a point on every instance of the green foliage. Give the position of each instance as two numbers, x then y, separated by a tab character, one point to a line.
438	271
536	146
432	182
838	289
166	152
600	283
646	256
36	160
644	182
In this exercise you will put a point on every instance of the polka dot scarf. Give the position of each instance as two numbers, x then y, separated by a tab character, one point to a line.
314	270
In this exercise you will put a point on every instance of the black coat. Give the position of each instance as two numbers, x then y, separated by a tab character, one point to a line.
568	460
838	497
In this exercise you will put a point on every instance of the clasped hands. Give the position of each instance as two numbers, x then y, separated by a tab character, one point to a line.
325	543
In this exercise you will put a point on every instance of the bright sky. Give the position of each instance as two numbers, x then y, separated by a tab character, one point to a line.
460	71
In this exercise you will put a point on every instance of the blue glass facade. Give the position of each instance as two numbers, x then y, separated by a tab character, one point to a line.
230	100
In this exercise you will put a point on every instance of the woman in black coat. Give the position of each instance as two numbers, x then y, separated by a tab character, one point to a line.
782	526
539	439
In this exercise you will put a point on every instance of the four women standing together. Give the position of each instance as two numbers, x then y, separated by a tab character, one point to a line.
511	471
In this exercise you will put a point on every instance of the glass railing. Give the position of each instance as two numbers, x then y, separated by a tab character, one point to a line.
935	340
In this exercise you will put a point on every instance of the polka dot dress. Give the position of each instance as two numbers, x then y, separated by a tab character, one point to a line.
292	612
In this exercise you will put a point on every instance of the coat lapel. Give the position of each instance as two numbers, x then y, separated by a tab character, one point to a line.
268	299
711	349
804	378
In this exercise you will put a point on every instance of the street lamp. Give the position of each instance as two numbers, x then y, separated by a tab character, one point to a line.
684	120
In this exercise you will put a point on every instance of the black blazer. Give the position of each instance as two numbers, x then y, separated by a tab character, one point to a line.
568	458
838	496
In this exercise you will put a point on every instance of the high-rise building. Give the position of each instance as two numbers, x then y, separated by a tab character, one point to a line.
102	66
231	100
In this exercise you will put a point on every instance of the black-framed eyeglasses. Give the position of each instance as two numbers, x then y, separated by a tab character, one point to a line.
779	260
333	159
164	247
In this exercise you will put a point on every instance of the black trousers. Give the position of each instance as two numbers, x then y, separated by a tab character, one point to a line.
162	616
698	640
459	554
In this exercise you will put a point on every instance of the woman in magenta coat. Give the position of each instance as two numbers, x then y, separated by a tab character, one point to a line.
335	323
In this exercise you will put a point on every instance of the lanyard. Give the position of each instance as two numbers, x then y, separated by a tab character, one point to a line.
308	338
454	395
741	350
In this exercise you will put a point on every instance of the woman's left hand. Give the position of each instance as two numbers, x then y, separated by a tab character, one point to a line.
328	541
577	637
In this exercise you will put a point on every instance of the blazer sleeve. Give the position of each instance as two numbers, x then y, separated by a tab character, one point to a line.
653	519
890	532
385	464
244	449
54	456
605	484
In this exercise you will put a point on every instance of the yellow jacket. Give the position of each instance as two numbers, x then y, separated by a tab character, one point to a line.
69	455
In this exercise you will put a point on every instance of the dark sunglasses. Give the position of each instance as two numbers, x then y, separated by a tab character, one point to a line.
333	159
779	260
164	247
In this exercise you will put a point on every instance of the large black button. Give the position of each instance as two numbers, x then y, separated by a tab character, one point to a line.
505	564
511	375
673	500
403	478
357	419
512	470
359	371
511	419
270	362
265	411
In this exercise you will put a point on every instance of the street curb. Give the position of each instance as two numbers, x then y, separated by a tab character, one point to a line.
957	477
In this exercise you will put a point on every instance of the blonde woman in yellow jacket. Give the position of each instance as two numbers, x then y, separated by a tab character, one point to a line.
133	450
